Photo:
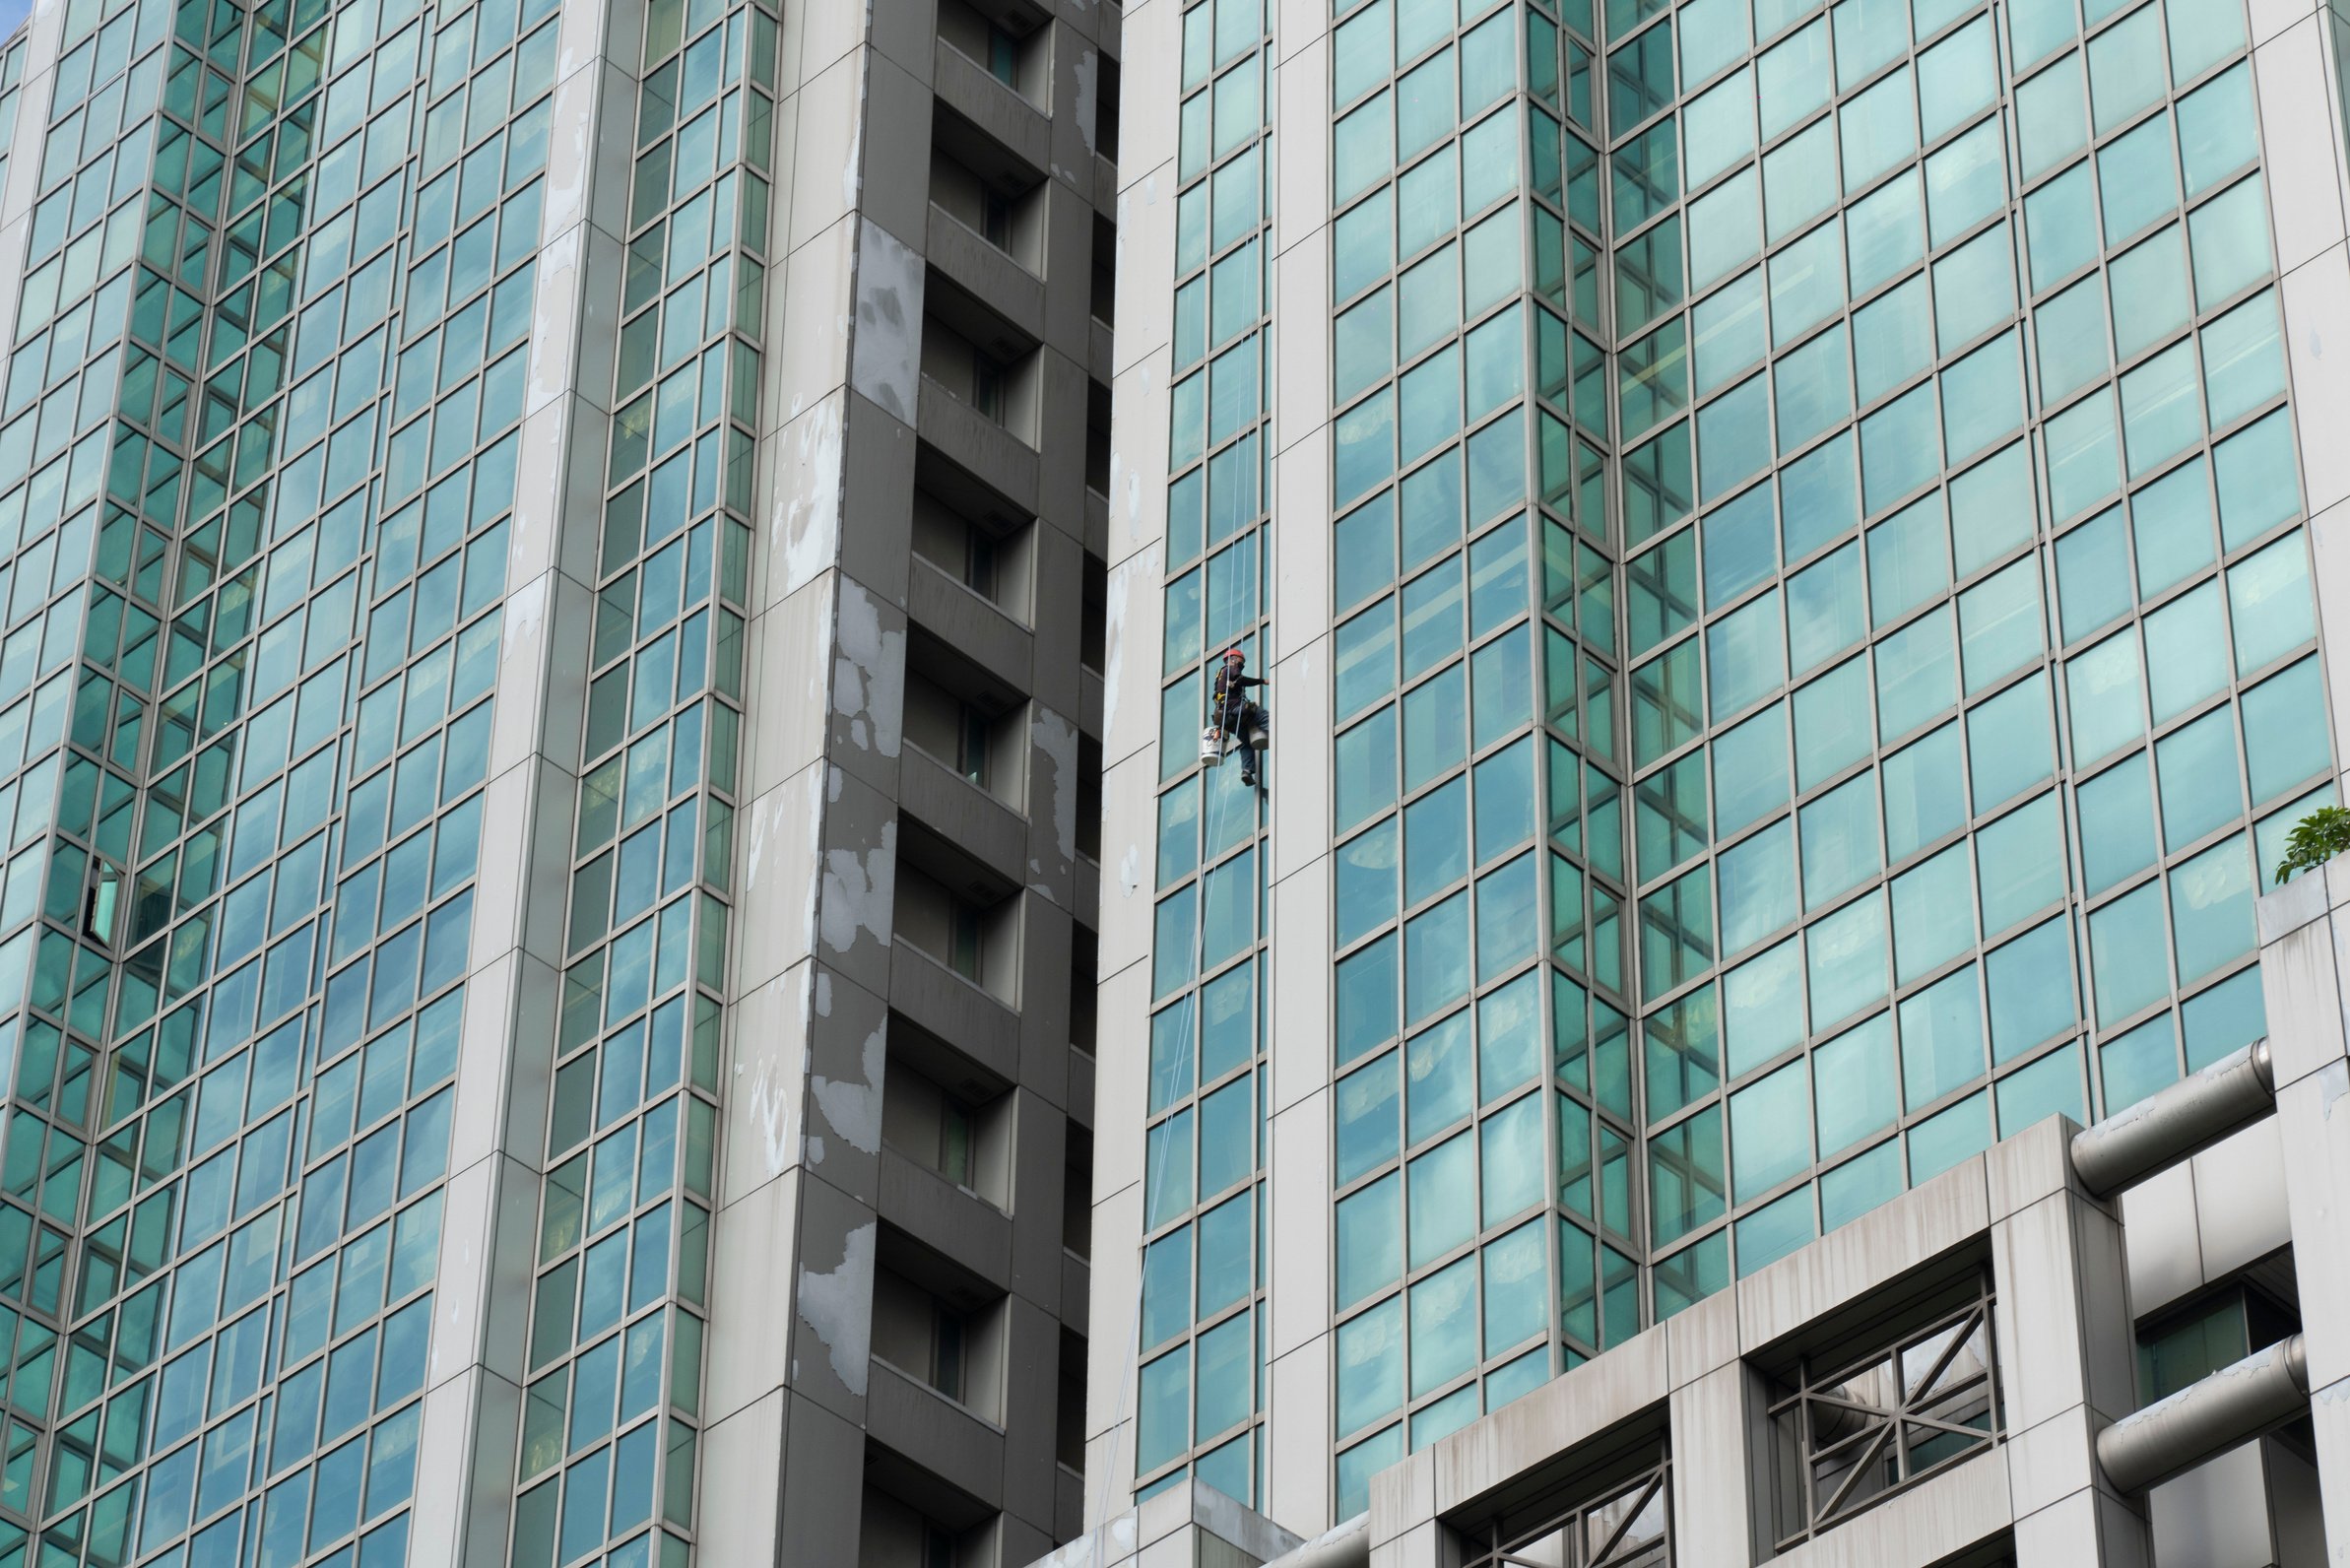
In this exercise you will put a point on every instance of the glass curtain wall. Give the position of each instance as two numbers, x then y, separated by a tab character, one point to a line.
1201	1331
275	562
1948	623
1981	678
1484	1136
609	1434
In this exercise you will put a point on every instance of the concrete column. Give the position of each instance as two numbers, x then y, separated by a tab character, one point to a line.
2301	939
2062	1335
1720	1439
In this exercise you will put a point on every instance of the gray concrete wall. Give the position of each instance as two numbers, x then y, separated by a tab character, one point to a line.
823	990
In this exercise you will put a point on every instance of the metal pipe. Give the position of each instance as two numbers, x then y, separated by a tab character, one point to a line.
2206	1419
1348	1546
2165	1127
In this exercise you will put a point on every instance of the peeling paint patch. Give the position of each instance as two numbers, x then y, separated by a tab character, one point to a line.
869	670
852	171
1057	739
1088	77
803	531
858	891
550	364
526	608
888	353
837	1308
770	1111
854	1109
1130	871
778	811
1145	564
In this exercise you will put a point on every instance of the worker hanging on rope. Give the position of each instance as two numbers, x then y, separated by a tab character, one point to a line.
1233	719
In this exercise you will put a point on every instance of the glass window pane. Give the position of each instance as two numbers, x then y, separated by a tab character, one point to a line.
2197	767
2029	981
2217	128
1846	953
2211	908
1757	886
2021	857
1853	1085
1517	1303
1998	622
1774	1230
1750	770
1832	723
1818	496
2102	691
1720	122
1933	913
2059	227
2008	745
1510	1153
1858	1185
2186	652
1444	1327
1956	78
2125	69
1365	1114
1366	998
1806	282
1366	882
2139	176
1840	840
1794	79
2093	575
1443	1198
1943	1140
1767	1128
2127	953
1685	1176
1882	231
1942	1038
1762	1006
2139	1063
1370	1240
2071	334
1745	657
1878	128
2050	112
1925	792
1163	1430
2269	604
1436	958
2281	748
2225	1018
1915	676
1370	1355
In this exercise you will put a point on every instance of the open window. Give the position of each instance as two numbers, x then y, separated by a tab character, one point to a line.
988	189
1005	39
951	908
939	1325
946	1114
966	532
964	719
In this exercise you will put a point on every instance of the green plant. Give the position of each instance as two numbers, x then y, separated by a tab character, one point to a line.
2315	839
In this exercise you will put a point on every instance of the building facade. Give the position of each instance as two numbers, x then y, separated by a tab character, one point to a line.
1791	544
554	691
